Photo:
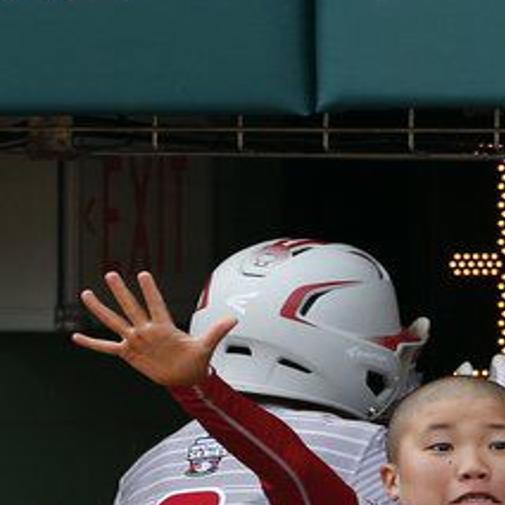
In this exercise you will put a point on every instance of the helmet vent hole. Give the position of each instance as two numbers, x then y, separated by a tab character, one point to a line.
295	366
239	349
375	381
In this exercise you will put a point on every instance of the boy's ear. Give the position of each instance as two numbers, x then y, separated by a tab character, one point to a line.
391	480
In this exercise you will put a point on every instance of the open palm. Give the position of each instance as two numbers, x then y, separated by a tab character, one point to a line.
150	341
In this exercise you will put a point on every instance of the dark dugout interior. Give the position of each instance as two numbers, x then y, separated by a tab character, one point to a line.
73	422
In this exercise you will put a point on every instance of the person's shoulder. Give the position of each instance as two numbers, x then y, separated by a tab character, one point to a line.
331	421
345	424
178	440
358	424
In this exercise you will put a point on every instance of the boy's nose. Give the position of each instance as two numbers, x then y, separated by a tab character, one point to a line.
472	467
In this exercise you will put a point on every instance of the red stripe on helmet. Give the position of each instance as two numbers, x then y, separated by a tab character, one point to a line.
392	342
296	299
304	242
291	243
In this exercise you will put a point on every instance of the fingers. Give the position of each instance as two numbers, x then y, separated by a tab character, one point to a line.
128	303
108	317
153	298
218	331
95	344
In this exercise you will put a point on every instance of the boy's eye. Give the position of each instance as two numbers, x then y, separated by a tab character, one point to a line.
440	447
498	445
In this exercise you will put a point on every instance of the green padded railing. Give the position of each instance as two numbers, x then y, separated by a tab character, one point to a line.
248	56
409	53
188	56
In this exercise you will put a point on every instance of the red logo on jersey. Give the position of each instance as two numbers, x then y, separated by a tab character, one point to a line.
198	497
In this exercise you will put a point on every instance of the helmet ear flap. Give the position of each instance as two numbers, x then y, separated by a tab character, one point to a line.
421	328
408	354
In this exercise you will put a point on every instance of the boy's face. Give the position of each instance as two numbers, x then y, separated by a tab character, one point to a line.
450	452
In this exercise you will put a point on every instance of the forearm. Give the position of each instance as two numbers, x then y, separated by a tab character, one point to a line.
288	470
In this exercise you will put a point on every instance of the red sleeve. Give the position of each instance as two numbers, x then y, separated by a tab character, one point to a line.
289	472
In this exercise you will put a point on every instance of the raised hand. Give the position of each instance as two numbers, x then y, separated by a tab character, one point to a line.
149	340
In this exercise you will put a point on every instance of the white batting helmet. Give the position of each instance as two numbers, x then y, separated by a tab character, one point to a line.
318	322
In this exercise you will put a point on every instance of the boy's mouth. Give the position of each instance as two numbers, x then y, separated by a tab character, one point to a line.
476	498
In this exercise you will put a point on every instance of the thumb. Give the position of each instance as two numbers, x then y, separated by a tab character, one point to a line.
218	331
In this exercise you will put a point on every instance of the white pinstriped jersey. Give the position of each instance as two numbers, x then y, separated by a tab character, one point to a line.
191	468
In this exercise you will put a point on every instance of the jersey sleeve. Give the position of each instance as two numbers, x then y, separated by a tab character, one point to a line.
289	472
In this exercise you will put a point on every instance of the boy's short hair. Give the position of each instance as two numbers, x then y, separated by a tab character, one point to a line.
440	389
